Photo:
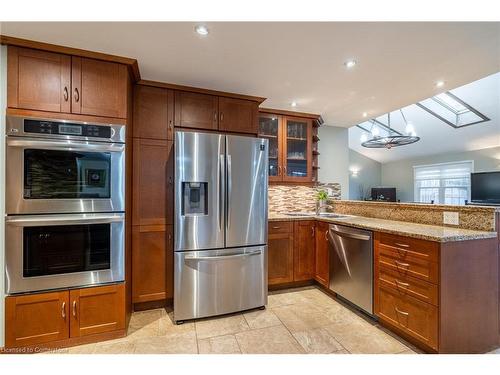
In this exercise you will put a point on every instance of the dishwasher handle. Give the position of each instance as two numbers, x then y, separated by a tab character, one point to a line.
355	236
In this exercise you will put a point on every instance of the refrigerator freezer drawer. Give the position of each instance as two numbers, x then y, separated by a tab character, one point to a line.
215	282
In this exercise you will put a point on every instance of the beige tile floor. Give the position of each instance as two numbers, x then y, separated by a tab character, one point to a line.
296	321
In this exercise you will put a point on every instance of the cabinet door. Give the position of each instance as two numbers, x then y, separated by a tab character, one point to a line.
322	254
36	318
153	182
193	110
280	258
238	115
297	149
38	80
152	263
304	250
97	310
99	88
269	128
153	112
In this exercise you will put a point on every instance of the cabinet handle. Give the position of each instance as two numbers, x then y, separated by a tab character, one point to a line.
401	244
326	236
170	180
74	308
284	171
402	312
312	231
398	283
279	170
63	310
222	116
170	124
215	115
276	227
66	95
77	95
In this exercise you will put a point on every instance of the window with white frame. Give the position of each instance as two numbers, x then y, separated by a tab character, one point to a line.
445	183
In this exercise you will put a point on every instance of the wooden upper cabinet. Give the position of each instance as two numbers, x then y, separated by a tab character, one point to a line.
38	80
97	310
36	318
153	112
238	115
270	129
322	254
194	110
304	250
99	88
152	201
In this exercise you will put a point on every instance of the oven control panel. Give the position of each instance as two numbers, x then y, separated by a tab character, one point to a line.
66	128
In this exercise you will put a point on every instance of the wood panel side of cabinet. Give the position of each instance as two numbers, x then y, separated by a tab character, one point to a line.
97	309
36	318
38	80
153	112
152	201
304	257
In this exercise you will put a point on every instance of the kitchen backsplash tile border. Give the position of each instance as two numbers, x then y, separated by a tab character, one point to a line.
299	198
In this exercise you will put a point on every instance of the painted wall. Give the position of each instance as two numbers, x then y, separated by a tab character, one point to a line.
3	105
399	174
334	157
364	173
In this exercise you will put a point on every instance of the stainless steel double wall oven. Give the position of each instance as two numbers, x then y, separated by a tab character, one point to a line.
65	204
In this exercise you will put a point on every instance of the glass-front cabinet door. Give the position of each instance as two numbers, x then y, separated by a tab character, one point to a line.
297	149
270	128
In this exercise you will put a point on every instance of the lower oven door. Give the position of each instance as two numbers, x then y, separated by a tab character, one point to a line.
214	282
59	251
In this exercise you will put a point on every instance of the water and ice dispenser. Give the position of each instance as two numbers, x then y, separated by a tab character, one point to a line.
194	198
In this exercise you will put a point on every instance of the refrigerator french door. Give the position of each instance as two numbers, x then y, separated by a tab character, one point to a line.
220	238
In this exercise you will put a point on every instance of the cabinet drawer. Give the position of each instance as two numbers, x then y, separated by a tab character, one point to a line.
408	246
408	265
408	286
412	316
280	227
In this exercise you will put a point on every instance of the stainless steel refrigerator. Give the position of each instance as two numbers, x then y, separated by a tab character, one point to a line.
220	240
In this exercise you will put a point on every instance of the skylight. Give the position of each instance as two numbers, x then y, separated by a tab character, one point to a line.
452	110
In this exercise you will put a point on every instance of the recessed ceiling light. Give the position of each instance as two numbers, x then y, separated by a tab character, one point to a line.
201	29
350	64
365	114
293	104
439	83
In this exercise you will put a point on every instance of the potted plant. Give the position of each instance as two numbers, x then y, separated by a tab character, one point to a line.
322	197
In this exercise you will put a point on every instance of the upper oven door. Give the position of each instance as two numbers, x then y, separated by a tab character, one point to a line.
64	176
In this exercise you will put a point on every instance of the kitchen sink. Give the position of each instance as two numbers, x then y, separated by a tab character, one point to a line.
300	214
322	214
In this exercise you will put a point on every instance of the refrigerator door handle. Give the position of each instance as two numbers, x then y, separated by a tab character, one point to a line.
220	183
222	257
229	191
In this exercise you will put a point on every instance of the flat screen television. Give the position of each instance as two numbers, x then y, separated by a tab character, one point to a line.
387	194
485	187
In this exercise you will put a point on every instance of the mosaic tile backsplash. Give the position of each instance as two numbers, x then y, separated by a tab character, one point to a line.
298	198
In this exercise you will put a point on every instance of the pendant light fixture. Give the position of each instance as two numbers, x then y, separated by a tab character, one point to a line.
393	139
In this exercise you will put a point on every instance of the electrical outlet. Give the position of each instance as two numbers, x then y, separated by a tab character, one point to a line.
450	218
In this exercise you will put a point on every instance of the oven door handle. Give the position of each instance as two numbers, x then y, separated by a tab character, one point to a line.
69	145
73	219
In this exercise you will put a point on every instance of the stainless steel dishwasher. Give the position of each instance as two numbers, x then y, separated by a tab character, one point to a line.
351	265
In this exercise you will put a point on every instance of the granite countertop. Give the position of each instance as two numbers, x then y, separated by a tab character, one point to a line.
422	231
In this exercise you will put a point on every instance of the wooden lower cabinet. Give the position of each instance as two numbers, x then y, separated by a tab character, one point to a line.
152	263
280	247
322	274
36	319
304	250
43	318
97	310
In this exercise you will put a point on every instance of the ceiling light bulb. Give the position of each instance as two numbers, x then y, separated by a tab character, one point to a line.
350	64
294	104
439	83
201	29
365	114
364	138
409	129
375	132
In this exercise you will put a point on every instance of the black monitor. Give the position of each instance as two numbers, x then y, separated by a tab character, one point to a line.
485	187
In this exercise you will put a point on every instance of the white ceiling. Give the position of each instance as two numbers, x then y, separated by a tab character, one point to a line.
398	63
436	137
